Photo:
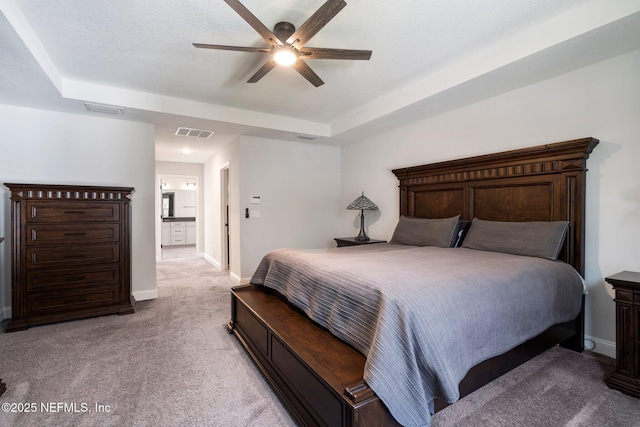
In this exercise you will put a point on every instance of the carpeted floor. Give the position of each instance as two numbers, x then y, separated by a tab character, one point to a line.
178	252
172	363
558	388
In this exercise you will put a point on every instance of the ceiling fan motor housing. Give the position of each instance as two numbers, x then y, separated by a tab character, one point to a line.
283	30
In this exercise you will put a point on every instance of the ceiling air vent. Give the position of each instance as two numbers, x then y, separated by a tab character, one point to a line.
102	108
195	133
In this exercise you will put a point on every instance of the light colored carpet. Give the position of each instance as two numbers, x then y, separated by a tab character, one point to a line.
172	363
557	388
178	252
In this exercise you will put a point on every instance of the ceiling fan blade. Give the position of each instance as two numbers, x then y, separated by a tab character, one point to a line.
254	22
306	71
325	53
236	48
315	23
268	66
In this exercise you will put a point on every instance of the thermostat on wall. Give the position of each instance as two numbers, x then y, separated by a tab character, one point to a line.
255	199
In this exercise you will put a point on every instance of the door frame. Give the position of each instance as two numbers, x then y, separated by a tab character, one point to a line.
158	221
225	197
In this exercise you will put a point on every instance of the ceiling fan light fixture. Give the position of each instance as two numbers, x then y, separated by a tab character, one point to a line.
285	55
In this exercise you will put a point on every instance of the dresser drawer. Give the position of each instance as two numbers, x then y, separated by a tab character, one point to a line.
47	234
48	212
72	278
55	256
42	303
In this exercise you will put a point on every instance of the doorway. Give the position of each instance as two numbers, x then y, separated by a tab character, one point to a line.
178	219
224	215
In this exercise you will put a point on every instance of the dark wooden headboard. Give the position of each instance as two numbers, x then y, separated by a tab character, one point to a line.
543	183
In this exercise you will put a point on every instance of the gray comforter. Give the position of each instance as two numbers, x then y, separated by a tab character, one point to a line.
423	316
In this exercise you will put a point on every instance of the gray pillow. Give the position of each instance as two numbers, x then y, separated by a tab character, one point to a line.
425	231
535	238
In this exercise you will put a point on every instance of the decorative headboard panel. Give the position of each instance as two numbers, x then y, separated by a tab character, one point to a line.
543	183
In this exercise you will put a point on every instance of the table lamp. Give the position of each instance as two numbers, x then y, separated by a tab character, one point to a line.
363	204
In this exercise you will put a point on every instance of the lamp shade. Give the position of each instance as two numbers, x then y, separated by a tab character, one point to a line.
363	203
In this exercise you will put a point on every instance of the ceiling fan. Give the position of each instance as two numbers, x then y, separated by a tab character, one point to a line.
287	45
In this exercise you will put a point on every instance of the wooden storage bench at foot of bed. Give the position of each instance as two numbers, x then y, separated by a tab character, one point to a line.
318	376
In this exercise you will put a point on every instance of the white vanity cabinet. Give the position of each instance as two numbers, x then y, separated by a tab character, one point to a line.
191	232
178	233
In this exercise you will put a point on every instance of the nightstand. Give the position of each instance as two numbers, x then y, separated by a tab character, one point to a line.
351	241
626	377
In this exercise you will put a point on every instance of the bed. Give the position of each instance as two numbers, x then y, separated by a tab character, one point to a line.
319	370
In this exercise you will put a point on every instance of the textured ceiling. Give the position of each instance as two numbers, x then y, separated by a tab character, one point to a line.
427	56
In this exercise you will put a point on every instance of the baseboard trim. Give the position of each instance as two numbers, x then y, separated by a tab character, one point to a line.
6	313
607	348
239	280
145	295
212	261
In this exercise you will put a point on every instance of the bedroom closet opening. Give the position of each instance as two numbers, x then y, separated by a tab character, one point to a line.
178	199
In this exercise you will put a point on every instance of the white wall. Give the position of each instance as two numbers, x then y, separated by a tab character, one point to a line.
601	100
38	146
299	186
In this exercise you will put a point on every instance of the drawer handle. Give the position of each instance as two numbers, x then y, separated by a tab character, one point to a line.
74	256
75	212
75	234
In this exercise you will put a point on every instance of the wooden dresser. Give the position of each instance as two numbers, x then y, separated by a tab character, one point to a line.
3	386
70	251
